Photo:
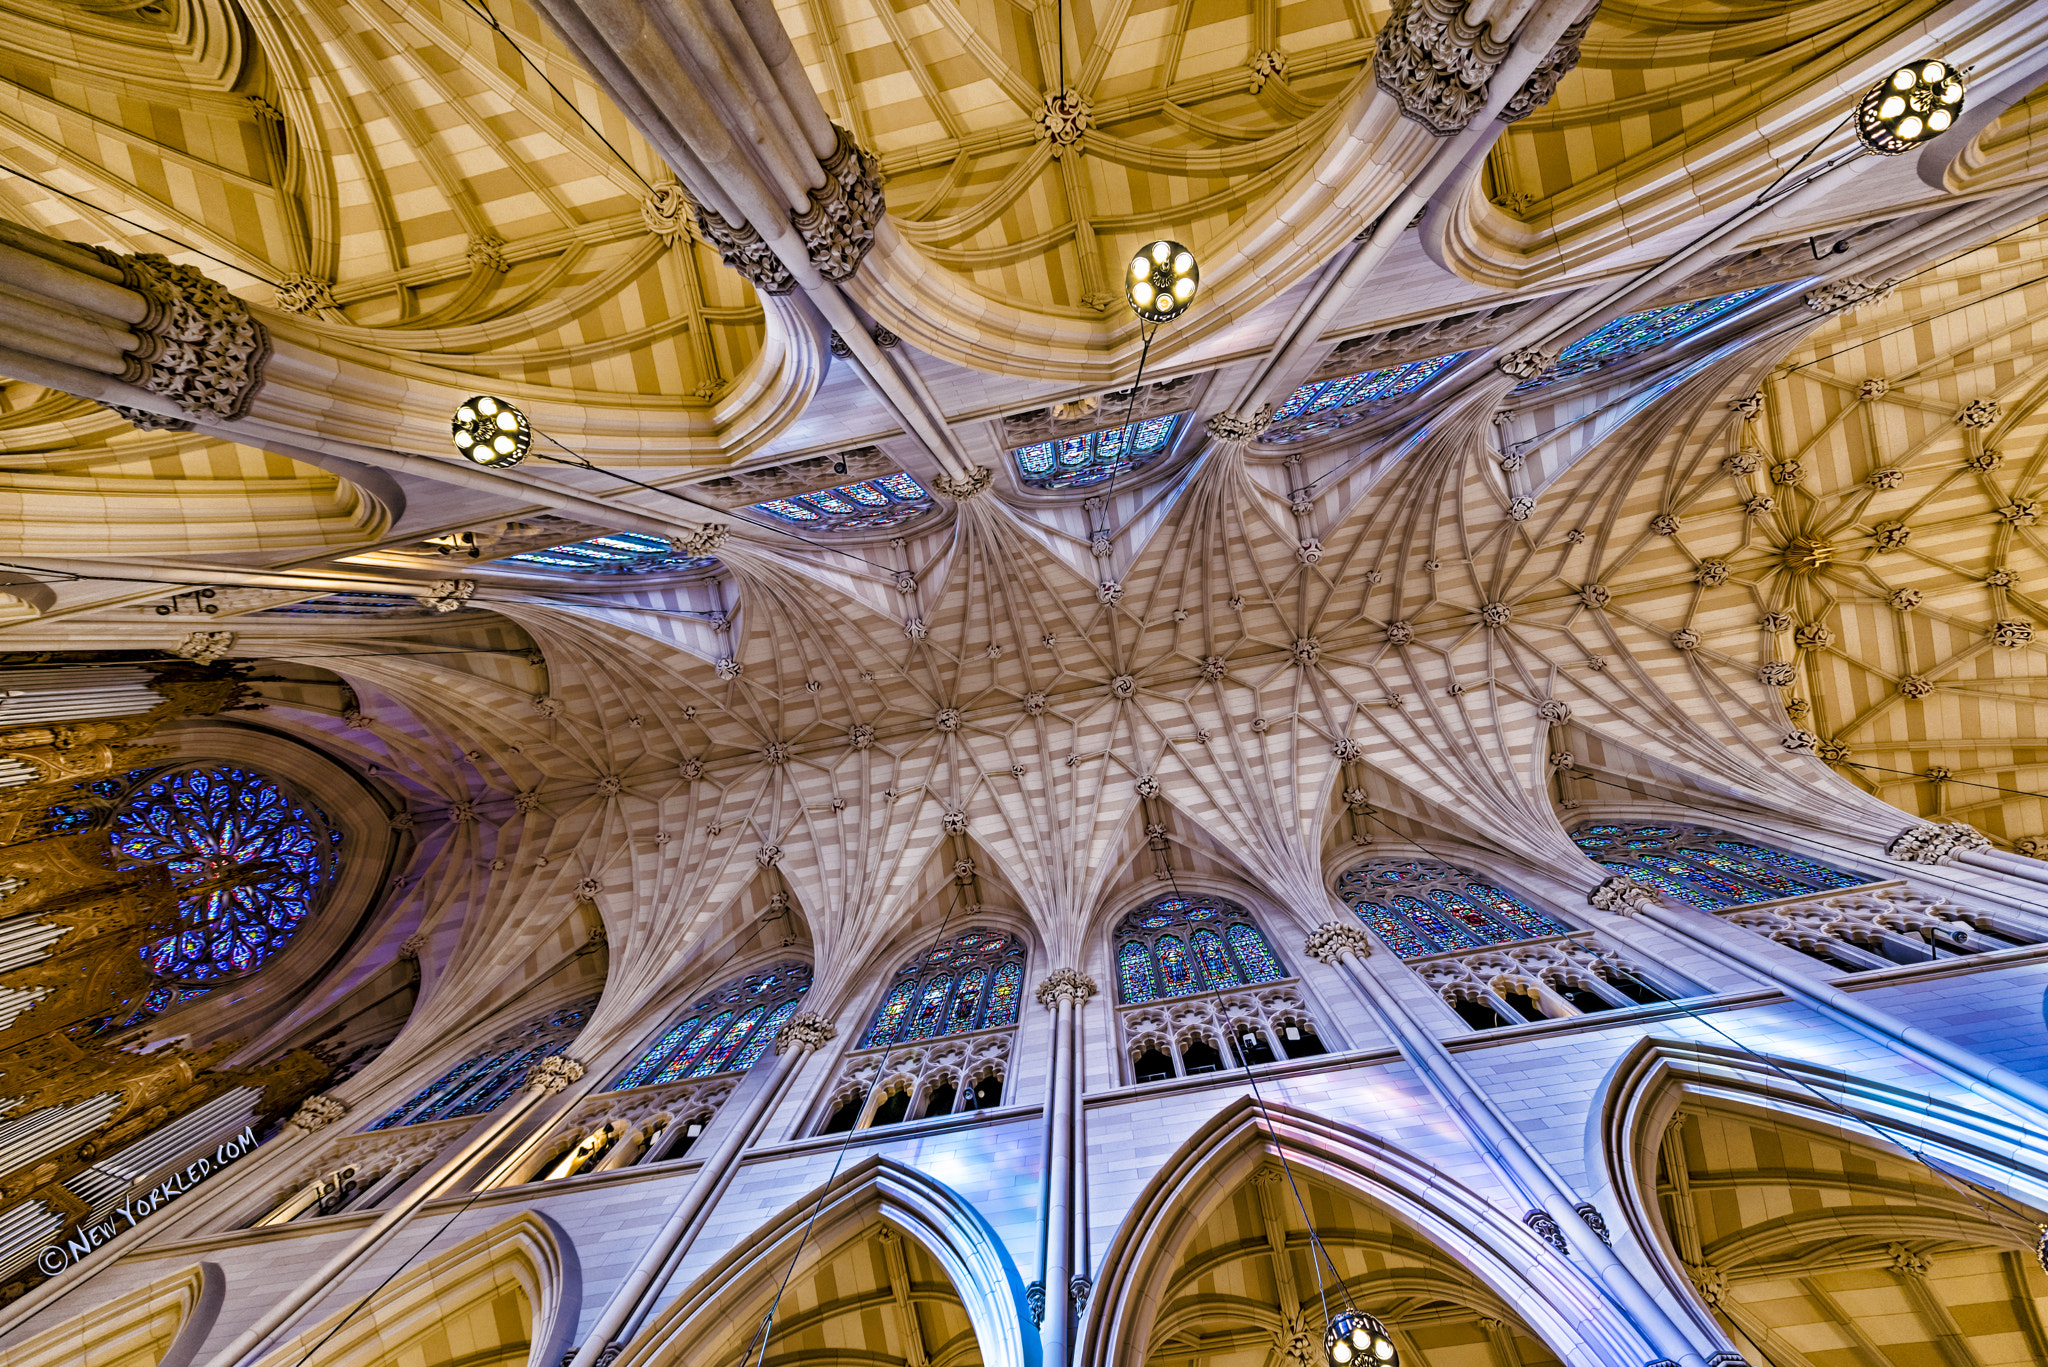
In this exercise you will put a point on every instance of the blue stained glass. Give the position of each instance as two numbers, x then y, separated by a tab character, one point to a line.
787	509
1707	868
1729	892
831	501
1217	970
1448	933
1134	972
1072	462
901	487
762	1038
1003	996
1815	875
1663	882
700	1043
652	1059
1405	940
1635	333
1422	907
1176	974
1254	954
1512	910
613	553
868	503
1369	386
1760	874
486	1095
249	861
931	1009
865	493
966	1001
716	1059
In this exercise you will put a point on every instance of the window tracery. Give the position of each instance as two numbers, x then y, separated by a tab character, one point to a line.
1703	867
1327	405
1180	944
1072	462
1634	333
864	505
250	862
726	1032
481	1082
1420	907
614	553
974	981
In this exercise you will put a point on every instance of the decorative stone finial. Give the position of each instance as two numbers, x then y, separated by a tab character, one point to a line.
553	1074
1068	985
1332	940
804	1030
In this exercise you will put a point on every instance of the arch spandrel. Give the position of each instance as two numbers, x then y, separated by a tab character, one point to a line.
1500	1269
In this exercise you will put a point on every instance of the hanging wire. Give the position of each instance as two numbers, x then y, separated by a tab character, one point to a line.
1967	783
1147	331
139	227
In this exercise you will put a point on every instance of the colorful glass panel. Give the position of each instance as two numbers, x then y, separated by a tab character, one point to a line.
966	1001
1217	969
1708	868
757	1044
1808	872
1367	386
699	1037
1004	995
1176	974
1072	462
867	503
613	553
719	1055
1254	955
970	982
249	862
700	1044
1134	972
1421	907
931	1008
1635	333
640	1072
889	1019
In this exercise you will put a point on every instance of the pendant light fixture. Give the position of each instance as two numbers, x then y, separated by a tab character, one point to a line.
1356	1339
491	432
1162	281
1915	104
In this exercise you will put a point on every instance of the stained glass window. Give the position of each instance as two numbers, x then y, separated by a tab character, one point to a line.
1176	945
1070	462
483	1081
1635	333
249	860
1704	867
1420	907
614	553
970	982
1326	405
867	504
725	1032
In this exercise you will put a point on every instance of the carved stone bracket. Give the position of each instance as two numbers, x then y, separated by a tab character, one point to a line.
975	481
1937	842
317	1113
1034	1295
553	1074
1591	1215
1332	940
1435	63
300	293
1524	363
1555	66
666	212
741	247
1227	427
839	227
198	345
1066	984
1547	1230
1624	896
804	1030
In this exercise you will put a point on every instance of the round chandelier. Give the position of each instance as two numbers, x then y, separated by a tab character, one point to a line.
1913	105
491	432
1356	1339
1161	282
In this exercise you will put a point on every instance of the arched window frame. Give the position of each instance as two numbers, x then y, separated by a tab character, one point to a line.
726	1031
1704	867
481	1082
968	1051
1417	908
1184	921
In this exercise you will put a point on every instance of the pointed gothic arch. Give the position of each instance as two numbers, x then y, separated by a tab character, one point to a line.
160	1324
719	1311
519	1274
1501	1258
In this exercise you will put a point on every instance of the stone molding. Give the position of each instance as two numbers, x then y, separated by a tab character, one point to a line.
975	481
1936	842
1555	66
804	1030
743	248
1624	896
198	345
317	1113
1070	985
1332	940
1436	63
552	1075
839	228
1227	427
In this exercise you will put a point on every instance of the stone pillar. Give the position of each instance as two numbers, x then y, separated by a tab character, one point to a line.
549	1078
1061	1290
634	1297
1344	944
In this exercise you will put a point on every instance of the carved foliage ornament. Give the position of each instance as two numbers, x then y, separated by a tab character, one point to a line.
804	1030
317	1113
1937	842
839	228
1070	985
1542	82
553	1075
742	248
1436	64
197	345
1332	940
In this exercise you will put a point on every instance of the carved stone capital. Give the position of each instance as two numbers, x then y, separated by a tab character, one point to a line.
1846	296
1936	842
1332	940
1624	896
1227	427
317	1113
741	247
1524	363
975	481
704	541
1542	82
1034	1296
552	1075
804	1030
300	293
1591	1215
1070	985
1435	63
1547	1230
197	345
666	211
411	945
839	228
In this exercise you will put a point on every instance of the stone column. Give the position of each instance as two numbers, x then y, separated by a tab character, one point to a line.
634	1298
549	1078
1057	1295
1344	945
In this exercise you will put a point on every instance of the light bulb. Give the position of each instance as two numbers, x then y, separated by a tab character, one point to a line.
1160	251
1909	107
1383	1349
503	445
1183	263
1163	281
1140	268
1341	1351
1183	289
1910	126
1939	120
1143	293
1933	72
486	406
1902	79
465	414
1891	108
463	439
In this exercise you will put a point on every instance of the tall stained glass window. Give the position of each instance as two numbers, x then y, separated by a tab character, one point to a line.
974	981
1180	945
249	859
864	505
1326	405
1071	462
1704	867
482	1082
1421	907
1635	333
726	1032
